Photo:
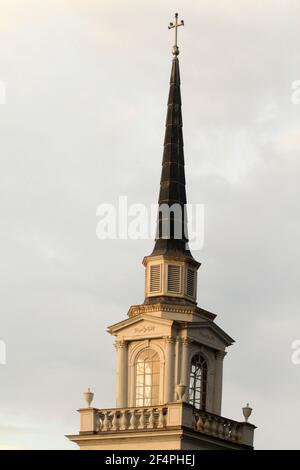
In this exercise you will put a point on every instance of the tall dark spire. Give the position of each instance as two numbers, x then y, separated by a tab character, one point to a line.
171	234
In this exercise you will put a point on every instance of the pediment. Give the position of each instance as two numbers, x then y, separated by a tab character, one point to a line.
141	327
210	334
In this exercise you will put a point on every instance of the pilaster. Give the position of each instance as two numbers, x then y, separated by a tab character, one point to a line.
169	369
121	374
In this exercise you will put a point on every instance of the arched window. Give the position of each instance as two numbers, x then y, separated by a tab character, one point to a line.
147	378
198	382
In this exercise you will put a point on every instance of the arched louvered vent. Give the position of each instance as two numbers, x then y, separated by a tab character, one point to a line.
190	283
174	278
155	278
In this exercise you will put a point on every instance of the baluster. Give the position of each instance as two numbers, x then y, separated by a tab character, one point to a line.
105	426
221	428
197	422
200	423
132	420
123	420
152	418
227	430
161	419
114	423
207	425
196	418
142	423
99	422
214	426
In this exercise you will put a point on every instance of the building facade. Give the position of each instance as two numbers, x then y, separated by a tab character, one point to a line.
170	352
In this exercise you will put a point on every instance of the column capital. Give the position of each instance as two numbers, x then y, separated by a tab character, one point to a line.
169	339
220	354
120	344
186	341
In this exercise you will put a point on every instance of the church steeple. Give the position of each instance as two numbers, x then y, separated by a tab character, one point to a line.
171	233
171	269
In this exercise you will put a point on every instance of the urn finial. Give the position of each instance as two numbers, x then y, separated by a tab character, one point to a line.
88	396
247	412
180	391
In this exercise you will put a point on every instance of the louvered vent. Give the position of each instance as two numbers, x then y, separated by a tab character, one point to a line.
174	278
190	283
155	278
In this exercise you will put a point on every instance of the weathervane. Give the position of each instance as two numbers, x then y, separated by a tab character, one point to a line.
175	26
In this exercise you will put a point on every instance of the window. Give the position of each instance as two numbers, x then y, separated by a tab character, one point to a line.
174	278
155	276
198	382
147	378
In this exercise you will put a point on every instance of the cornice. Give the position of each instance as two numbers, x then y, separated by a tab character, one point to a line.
170	308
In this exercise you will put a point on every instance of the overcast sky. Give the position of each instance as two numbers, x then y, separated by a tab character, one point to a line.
86	92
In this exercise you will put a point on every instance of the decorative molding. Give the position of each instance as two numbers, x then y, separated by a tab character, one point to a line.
137	309
144	329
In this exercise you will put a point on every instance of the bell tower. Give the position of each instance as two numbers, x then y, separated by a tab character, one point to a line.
169	351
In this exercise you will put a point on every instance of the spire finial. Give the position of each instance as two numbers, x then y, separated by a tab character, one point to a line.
175	26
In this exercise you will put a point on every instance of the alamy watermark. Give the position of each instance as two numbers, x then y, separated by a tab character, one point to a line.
295	357
2	92
137	221
295	98
2	353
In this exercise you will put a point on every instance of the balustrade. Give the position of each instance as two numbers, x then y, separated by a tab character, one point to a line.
169	416
131	419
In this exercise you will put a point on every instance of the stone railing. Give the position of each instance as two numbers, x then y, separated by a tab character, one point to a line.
217	426
224	428
131	418
94	420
